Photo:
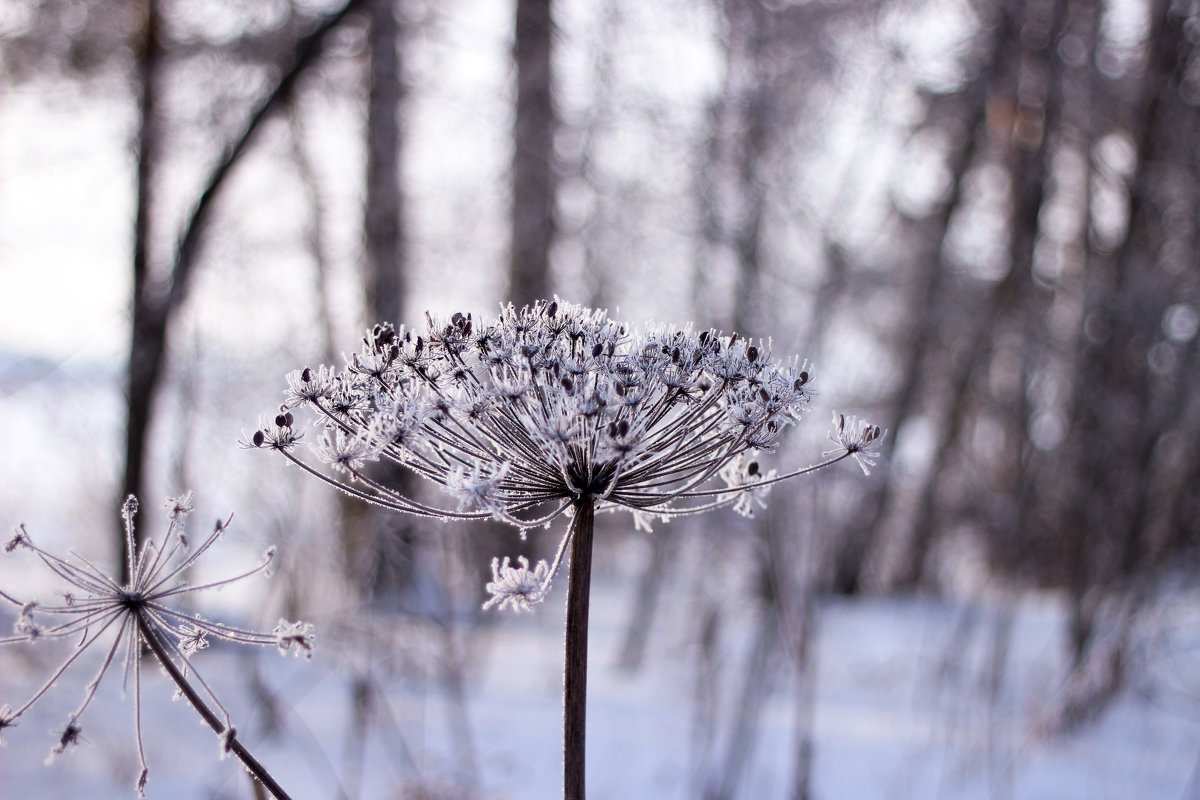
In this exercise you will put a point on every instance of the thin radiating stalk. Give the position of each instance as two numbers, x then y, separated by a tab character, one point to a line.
579	580
211	718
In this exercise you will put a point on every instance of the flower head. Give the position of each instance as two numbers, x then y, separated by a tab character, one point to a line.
521	415
179	507
345	452
861	440
296	638
518	587
477	488
99	612
744	475
277	435
524	416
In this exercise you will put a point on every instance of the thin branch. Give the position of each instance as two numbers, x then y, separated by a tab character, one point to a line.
210	717
307	50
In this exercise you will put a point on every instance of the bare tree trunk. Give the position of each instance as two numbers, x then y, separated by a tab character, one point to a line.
706	694
999	752
750	105
787	622
794	564
645	604
1023	306
534	179
754	144
383	545
1113	428
383	227
804	657
455	679
856	541
154	303
710	234
743	737
316	236
1026	147
143	370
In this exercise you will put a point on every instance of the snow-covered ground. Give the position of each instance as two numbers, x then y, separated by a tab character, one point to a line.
902	710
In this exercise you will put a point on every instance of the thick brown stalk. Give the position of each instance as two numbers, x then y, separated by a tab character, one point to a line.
579	582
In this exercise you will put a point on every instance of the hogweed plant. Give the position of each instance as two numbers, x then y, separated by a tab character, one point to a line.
123	621
554	410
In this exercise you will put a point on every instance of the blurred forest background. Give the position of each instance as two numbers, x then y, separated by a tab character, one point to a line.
978	218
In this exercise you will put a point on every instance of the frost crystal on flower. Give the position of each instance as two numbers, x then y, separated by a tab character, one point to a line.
296	638
343	451
275	436
179	507
135	615
744	474
520	588
547	407
478	489
19	539
861	440
305	385
192	639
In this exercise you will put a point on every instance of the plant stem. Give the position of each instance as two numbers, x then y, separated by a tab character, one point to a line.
579	581
256	770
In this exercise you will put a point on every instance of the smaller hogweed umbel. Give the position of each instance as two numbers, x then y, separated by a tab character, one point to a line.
98	612
524	417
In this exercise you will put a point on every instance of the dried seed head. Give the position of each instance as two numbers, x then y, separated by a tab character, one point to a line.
563	401
71	735
383	336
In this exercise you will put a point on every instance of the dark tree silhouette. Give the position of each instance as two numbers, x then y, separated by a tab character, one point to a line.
534	176
156	299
